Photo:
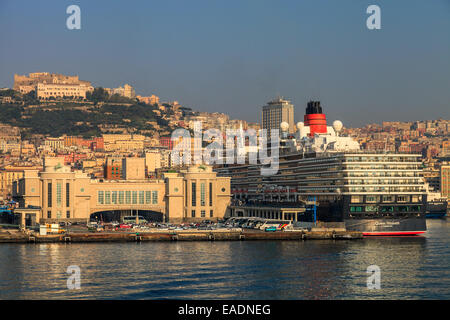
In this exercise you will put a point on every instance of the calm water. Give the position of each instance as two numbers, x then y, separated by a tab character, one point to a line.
411	268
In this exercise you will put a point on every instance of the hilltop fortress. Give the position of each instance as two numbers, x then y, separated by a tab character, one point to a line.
49	85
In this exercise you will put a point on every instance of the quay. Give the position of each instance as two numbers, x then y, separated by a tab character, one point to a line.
15	236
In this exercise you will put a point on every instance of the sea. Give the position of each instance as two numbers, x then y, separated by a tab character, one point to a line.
405	268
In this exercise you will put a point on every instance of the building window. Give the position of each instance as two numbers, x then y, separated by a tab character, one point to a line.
101	199
127	197
67	194
120	197
49	194
107	197
148	197
49	214
68	214
141	197
356	199
356	209
58	194
154	197
134	197
210	195
211	213
114	197
203	213
202	194
193	213
194	194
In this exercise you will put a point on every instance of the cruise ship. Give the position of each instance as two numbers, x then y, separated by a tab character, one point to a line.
326	180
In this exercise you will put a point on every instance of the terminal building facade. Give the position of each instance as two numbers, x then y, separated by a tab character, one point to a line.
59	194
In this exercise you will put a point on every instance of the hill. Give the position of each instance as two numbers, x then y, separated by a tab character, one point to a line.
86	118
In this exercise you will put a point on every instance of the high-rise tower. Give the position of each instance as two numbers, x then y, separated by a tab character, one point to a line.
277	111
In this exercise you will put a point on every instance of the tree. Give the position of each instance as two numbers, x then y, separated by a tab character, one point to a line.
99	94
8	93
117	98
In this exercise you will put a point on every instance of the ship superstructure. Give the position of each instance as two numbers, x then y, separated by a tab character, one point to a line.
377	193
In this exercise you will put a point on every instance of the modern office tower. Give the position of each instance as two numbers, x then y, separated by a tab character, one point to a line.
277	111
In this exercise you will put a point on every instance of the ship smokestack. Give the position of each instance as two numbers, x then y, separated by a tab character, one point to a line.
315	119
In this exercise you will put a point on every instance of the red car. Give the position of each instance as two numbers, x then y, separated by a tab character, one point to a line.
124	226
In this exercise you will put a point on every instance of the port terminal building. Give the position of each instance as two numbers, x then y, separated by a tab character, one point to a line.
59	194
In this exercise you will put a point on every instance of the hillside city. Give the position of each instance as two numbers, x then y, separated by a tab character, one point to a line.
54	115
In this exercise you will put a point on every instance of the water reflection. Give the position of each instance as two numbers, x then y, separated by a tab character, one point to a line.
411	268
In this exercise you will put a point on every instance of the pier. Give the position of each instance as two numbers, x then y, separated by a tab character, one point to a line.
14	236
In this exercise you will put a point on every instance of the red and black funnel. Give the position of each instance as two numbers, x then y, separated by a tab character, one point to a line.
315	119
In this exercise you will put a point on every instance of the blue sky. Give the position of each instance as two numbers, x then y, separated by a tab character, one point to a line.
233	56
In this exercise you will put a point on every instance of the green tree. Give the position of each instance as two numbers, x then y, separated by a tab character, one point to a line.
98	95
